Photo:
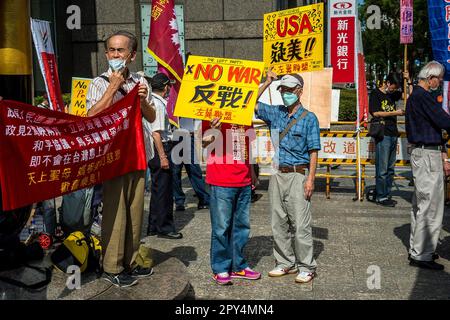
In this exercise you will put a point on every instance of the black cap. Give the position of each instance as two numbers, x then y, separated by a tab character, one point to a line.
160	80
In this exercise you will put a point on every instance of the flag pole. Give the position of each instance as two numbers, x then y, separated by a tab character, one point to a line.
358	115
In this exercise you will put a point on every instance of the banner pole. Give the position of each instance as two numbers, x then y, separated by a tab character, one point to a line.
270	96
405	69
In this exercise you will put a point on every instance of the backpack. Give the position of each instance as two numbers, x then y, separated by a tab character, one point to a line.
80	208
80	250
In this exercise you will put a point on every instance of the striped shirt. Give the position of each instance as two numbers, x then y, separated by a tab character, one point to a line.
97	89
98	86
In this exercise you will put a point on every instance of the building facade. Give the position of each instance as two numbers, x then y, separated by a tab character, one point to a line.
220	28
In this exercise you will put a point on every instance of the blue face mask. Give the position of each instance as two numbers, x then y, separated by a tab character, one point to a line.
117	64
289	98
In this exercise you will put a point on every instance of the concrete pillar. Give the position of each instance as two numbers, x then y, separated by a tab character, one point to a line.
15	50
15	38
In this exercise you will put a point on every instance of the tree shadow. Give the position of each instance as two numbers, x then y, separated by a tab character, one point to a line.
27	276
403	233
182	218
429	284
186	254
262	246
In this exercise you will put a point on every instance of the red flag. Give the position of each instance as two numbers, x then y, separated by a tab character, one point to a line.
173	95
363	95
164	45
45	154
47	60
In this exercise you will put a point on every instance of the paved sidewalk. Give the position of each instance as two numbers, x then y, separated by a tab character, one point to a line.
352	240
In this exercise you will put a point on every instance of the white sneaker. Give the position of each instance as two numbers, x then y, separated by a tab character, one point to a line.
280	271
305	277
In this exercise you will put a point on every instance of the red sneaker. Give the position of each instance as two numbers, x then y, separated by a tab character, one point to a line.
247	273
222	278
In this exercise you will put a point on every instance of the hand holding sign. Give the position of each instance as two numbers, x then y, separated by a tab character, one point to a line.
271	76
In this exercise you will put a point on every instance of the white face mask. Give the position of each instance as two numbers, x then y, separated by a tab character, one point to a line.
434	89
118	64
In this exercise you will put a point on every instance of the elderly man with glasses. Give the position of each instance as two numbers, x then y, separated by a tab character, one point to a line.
291	187
425	119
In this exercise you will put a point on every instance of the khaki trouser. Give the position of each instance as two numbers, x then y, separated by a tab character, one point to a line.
290	209
123	209
427	204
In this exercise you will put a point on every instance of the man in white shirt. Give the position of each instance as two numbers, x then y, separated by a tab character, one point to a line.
160	220
123	196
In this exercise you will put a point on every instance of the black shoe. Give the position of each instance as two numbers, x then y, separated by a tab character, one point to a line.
256	197
393	201
121	280
140	272
435	256
171	235
202	206
386	203
426	264
180	208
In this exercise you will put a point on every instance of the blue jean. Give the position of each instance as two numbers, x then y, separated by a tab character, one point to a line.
194	172
49	212
384	165
230	227
147	180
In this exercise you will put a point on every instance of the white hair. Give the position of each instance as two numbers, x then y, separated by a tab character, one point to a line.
431	69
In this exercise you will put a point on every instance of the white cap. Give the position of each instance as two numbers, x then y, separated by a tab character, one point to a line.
291	81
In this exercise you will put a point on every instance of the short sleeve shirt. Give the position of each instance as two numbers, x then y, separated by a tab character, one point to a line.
302	138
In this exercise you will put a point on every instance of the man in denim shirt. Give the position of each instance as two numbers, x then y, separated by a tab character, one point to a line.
290	188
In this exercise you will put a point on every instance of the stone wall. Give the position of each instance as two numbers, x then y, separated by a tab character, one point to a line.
100	18
222	28
226	28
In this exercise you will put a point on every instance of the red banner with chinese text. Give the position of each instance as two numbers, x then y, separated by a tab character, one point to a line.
343	49
45	154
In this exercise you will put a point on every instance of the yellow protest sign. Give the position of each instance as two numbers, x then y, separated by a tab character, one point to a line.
293	39
78	96
217	87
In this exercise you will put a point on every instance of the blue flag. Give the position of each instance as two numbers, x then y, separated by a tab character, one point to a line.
439	29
